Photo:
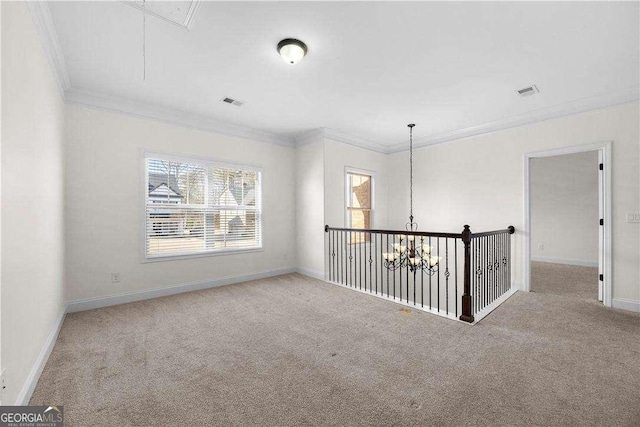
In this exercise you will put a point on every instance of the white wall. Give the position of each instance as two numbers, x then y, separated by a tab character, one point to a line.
310	208
32	198
340	156
1	401
104	198
564	208
320	195
480	181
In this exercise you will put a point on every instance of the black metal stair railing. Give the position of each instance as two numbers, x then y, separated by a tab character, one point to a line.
456	275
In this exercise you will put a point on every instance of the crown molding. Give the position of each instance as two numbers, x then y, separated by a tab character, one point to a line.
181	118
42	20
630	94
170	116
323	133
309	137
356	141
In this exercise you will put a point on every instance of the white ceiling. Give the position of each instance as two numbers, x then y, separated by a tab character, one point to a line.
372	67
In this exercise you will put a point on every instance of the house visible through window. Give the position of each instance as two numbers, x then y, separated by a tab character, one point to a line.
359	200
196	207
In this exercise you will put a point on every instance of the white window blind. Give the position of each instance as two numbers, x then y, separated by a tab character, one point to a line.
195	207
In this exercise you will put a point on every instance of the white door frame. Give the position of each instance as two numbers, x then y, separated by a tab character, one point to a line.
604	150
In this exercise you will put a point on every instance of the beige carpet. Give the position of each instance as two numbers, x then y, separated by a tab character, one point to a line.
295	351
565	280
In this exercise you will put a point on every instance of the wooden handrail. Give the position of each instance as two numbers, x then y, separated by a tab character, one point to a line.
396	232
511	229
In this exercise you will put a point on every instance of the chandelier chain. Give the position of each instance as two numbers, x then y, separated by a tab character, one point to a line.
411	173
144	39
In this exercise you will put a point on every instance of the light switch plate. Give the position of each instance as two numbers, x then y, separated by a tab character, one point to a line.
633	217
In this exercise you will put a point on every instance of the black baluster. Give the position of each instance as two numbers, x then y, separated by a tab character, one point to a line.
438	244
486	264
375	258
499	262
500	257
504	262
493	272
406	253
430	276
455	263
363	265
394	271
371	267
359	261
335	258
446	273
421	275
478	274
352	278
340	260
388	281
482	267
414	273
509	262
400	273
343	255
496	263
329	251
474	267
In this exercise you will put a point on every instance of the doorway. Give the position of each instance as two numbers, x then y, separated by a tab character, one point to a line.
567	230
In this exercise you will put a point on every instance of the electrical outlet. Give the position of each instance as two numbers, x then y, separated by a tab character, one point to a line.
541	247
633	217
3	385
115	277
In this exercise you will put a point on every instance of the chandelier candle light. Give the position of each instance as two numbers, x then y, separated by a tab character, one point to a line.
408	254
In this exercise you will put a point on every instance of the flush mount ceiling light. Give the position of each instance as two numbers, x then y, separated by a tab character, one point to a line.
292	50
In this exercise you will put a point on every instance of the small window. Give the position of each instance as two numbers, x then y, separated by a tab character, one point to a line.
359	200
194	207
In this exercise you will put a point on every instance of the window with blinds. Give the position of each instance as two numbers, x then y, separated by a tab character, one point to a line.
196	207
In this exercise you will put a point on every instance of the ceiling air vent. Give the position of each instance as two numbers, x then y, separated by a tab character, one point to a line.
528	91
232	101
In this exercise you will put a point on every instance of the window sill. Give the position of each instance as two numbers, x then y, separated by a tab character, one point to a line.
145	259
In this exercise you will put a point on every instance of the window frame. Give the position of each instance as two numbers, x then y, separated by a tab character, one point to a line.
356	171
202	161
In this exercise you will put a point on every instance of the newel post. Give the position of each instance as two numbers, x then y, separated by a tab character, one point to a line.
467	314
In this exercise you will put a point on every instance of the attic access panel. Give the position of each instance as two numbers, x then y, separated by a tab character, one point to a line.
181	13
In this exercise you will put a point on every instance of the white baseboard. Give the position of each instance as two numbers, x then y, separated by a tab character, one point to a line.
106	301
87	304
488	309
626	304
34	375
311	273
566	261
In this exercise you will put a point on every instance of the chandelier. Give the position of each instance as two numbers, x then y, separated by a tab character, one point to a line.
407	252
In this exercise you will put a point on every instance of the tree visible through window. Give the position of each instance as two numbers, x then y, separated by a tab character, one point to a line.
359	200
197	207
